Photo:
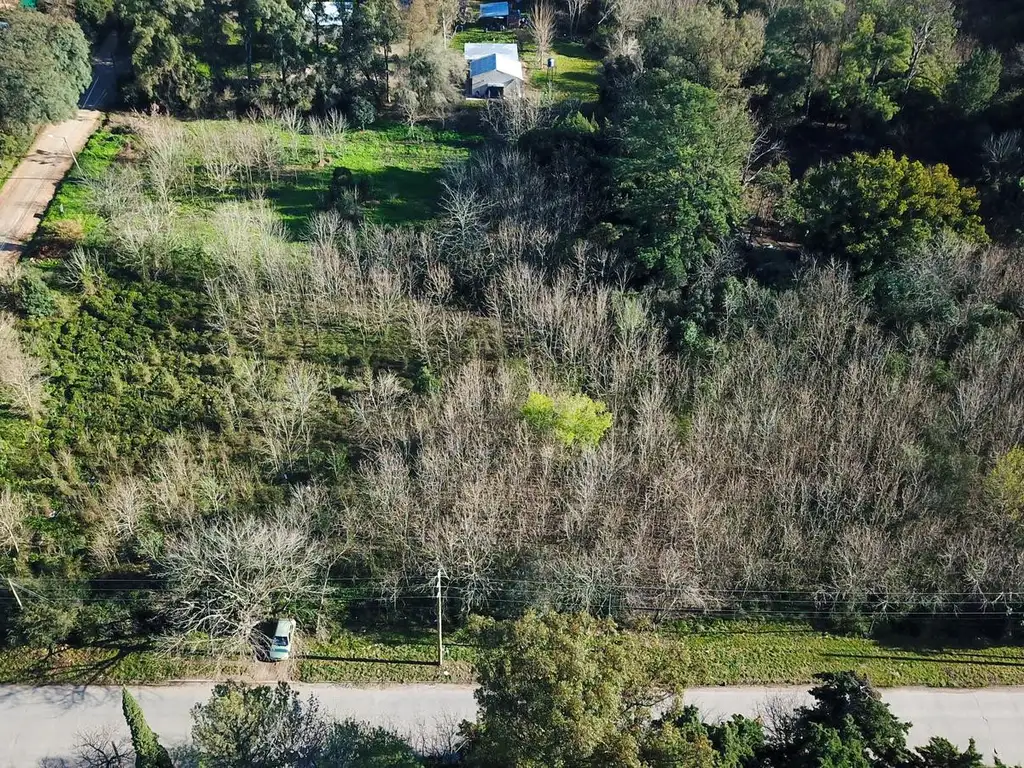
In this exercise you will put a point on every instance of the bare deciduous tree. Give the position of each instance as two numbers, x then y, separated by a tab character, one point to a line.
21	376
542	26
104	748
576	9
226	577
12	520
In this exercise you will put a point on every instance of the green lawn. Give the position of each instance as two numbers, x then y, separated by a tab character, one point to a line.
725	653
575	74
402	166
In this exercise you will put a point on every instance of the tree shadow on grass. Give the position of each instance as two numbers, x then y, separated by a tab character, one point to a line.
396	195
582	78
940	634
60	666
367	660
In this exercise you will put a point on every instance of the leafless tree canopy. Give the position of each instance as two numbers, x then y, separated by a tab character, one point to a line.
224	578
805	453
543	26
21	377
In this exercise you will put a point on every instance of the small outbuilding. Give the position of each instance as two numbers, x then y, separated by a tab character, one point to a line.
495	76
493	11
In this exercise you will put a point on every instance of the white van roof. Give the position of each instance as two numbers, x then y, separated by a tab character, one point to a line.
284	627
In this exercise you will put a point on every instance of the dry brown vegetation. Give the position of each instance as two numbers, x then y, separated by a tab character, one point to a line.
811	454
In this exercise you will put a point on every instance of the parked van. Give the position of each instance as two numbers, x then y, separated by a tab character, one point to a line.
281	647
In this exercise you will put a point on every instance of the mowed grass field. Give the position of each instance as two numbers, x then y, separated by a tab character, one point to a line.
402	167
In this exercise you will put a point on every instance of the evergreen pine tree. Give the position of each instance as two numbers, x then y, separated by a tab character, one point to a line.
148	751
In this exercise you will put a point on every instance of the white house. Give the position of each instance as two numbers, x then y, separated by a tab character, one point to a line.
495	75
494	70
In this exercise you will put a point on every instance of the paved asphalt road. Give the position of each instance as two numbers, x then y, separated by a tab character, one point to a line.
33	183
41	726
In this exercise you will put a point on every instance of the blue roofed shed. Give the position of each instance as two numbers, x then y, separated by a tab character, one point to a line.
493	10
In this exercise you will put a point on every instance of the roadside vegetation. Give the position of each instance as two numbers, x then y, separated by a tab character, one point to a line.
553	691
44	68
710	336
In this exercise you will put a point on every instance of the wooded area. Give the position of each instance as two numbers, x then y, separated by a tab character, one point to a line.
740	335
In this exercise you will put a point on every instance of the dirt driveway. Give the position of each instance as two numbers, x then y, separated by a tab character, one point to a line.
34	182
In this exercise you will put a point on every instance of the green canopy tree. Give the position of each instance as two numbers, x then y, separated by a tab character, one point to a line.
796	40
559	690
678	172
868	209
875	61
705	45
355	745
244	727
166	70
680	738
573	419
1005	483
44	69
976	81
848	721
149	753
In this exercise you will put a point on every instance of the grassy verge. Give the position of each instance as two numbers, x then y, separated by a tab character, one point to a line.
103	666
734	653
71	203
14	149
755	653
379	658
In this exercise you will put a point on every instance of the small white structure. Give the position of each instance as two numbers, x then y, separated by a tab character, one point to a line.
495	76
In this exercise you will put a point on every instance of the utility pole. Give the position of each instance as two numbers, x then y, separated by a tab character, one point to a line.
440	640
74	157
